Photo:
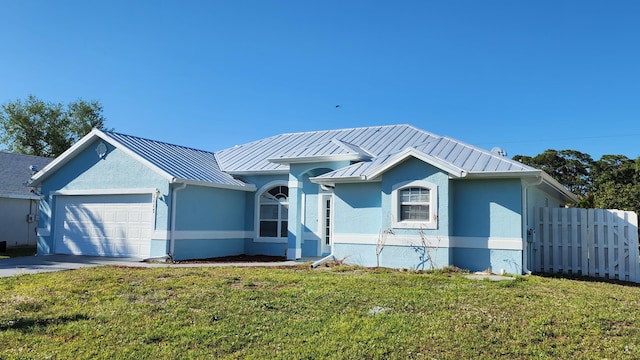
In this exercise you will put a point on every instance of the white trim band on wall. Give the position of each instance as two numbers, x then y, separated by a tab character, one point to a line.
493	243
204	235
105	192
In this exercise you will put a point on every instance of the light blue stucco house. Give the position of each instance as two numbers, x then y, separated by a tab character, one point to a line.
394	194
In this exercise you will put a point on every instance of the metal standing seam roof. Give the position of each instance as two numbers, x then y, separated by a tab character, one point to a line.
182	163
377	142
370	141
447	151
15	173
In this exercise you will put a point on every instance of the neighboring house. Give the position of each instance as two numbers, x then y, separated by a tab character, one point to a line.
435	200
18	205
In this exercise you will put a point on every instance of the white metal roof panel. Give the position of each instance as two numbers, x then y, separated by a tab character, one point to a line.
374	141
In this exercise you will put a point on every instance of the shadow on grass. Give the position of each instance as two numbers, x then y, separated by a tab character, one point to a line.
29	325
577	277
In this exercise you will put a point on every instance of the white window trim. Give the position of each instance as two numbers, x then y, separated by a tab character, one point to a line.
433	206
266	187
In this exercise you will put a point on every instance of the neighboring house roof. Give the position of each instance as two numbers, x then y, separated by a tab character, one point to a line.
178	164
15	171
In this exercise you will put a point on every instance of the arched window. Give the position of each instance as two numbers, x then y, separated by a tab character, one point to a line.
274	212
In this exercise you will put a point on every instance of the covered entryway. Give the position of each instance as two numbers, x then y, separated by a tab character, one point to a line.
104	225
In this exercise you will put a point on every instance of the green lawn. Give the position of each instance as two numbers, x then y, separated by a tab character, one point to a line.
298	313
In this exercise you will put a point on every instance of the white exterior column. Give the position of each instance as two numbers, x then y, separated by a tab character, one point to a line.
294	247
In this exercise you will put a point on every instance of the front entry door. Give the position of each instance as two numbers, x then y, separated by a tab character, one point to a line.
326	223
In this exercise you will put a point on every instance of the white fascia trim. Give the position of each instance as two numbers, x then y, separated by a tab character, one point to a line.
452	170
258	173
83	144
342	180
558	187
247	187
104	192
19	197
504	174
315	159
491	243
64	157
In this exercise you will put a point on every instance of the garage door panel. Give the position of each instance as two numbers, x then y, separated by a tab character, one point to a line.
109	225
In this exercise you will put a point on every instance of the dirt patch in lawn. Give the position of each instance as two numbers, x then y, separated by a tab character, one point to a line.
236	259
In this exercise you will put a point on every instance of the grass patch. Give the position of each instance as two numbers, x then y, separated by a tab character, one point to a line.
18	252
334	313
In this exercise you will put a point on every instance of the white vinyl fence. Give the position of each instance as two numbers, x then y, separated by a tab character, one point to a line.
589	242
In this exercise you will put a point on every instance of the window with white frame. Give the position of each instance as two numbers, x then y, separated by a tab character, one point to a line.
274	212
415	205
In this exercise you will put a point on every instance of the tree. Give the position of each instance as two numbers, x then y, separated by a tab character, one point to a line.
616	183
570	167
613	182
34	127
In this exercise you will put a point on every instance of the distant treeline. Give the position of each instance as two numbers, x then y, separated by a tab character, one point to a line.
613	182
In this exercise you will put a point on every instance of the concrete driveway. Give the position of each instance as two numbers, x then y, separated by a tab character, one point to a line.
47	263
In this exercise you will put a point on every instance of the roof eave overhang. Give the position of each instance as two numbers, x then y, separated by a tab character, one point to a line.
553	183
245	187
317	159
452	170
341	180
257	173
20	196
503	174
538	174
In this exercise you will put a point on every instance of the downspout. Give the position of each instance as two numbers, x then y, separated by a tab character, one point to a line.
172	236
325	259
526	245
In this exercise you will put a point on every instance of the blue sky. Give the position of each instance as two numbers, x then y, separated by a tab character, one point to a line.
523	75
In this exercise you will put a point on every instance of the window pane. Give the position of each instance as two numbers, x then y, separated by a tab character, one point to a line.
268	212
404	195
283	229
284	210
414	195
414	212
269	228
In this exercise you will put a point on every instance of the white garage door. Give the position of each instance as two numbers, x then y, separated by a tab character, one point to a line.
104	225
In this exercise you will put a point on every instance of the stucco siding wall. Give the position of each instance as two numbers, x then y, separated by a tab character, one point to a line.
487	218
357	208
411	170
212	209
487	208
210	223
364	210
393	256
